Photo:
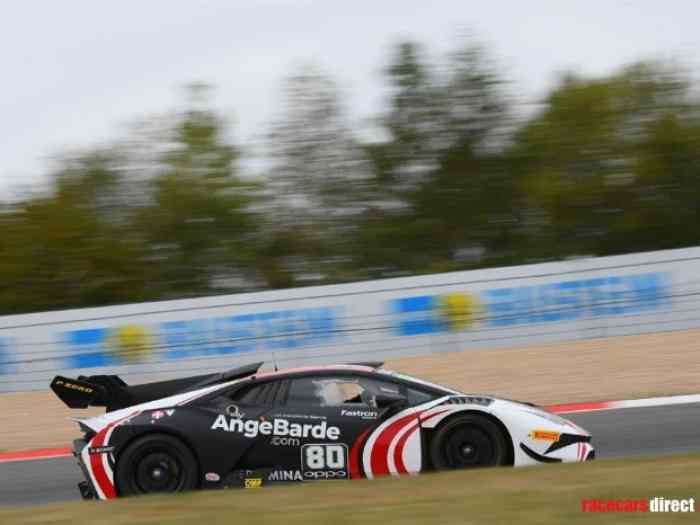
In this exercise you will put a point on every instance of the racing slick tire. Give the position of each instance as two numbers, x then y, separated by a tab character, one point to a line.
156	463
468	441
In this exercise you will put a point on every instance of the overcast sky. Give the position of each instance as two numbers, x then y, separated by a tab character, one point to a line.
74	72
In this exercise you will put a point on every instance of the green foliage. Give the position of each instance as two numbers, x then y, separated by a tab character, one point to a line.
70	249
101	237
610	166
604	166
198	218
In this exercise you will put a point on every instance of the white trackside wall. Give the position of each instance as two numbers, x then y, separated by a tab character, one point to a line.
365	321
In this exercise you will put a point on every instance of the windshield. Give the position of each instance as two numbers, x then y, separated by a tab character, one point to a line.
412	379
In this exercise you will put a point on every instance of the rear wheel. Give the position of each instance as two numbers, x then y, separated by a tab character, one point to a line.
156	463
468	441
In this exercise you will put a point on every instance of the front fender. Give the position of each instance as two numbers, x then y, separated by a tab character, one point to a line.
537	436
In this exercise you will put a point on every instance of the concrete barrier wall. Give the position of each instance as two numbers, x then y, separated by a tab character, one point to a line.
501	307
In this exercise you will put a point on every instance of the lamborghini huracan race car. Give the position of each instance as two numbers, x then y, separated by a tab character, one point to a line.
244	428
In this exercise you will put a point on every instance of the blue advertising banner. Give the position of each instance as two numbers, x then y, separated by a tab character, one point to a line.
4	355
569	300
509	307
182	339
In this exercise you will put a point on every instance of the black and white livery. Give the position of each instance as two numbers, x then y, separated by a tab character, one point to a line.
245	428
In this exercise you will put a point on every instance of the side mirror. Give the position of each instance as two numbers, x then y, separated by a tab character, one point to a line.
387	399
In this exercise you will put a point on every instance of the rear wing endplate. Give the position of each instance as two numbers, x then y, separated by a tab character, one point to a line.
77	393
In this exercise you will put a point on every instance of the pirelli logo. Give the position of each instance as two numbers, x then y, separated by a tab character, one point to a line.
73	386
545	435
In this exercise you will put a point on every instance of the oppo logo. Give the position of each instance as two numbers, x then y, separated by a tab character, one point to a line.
326	474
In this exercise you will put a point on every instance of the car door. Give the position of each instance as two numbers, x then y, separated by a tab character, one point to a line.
286	429
343	410
246	419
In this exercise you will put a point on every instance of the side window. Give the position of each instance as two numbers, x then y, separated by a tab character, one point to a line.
303	392
338	391
249	395
270	393
418	397
326	392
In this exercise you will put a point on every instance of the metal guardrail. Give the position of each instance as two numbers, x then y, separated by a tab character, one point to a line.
515	306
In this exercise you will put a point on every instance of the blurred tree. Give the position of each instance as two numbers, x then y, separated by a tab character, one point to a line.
105	234
319	181
475	104
198	223
442	161
318	166
468	198
608	165
413	122
71	248
665	210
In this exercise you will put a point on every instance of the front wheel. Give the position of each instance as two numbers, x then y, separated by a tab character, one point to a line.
156	463
468	441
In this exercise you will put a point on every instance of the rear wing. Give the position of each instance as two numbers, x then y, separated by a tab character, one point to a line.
77	393
113	393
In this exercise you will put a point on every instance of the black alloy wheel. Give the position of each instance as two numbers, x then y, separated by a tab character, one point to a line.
468	441
156	463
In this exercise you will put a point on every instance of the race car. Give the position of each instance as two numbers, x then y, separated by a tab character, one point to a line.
246	428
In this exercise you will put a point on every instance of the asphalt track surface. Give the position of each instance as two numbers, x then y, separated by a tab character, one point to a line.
616	433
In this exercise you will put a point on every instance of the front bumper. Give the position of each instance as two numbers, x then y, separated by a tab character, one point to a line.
563	448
